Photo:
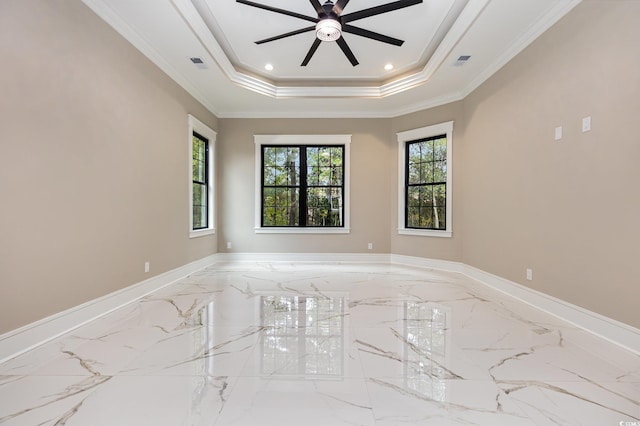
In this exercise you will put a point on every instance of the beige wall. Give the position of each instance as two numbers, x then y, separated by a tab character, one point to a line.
371	149
568	209
93	162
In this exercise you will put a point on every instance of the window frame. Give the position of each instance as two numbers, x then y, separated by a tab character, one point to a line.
198	127
301	140
415	135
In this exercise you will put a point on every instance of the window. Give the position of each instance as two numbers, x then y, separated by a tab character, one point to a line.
201	197
424	193
200	182
302	183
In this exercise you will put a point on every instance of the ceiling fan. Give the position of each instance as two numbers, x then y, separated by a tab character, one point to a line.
331	23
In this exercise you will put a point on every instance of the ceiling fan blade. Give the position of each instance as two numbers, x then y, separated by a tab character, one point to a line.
370	34
339	6
317	6
347	52
289	34
377	10
276	10
313	49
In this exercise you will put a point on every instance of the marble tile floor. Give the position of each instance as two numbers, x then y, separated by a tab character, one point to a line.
323	344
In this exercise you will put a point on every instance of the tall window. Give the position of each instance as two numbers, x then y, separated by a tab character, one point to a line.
424	193
426	183
200	168
302	185
201	195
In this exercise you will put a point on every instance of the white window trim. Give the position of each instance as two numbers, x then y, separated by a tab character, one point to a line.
416	134
301	140
199	127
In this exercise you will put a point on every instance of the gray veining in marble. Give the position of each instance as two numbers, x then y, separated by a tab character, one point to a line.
258	343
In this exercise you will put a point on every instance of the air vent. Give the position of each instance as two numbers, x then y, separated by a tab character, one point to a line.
198	62
461	60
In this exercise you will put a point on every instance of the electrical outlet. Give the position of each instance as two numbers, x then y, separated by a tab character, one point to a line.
529	274
586	124
228	244
147	266
558	133
370	246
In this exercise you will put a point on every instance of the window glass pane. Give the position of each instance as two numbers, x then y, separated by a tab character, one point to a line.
336	176
414	173
439	171
413	196
269	197
426	196
440	218
199	156
324	207
198	149
199	171
281	156
269	175
269	156
440	149
413	217
426	217
281	207
313	175
439	195
199	203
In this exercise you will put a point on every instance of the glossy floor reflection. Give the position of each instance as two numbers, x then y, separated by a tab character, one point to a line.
323	344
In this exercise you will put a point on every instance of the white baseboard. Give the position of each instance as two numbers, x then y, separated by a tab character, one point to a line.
25	338
304	257
31	335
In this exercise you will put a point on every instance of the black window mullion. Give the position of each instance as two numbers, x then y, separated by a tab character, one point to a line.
302	198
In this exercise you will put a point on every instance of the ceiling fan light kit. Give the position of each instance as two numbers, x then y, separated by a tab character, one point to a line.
328	30
331	24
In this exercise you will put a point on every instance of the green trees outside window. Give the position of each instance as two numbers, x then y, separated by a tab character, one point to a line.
200	176
426	183
302	186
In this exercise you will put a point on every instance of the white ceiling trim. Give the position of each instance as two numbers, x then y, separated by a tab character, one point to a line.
192	17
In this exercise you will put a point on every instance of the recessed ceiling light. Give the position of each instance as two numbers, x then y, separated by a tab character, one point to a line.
388	67
268	67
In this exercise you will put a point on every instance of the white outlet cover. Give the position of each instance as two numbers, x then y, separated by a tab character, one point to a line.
558	133
586	124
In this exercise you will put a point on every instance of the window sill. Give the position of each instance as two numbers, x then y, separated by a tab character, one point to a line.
425	233
303	230
201	232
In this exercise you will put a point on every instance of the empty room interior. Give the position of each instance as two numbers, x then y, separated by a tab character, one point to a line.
220	212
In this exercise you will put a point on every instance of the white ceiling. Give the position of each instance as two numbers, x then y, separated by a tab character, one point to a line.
234	83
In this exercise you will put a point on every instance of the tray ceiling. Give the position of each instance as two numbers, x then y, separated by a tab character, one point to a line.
232	80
